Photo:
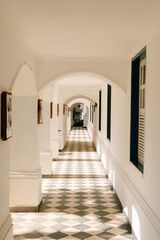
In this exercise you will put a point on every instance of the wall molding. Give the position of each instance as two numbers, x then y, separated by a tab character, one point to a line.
148	211
25	208
6	227
25	174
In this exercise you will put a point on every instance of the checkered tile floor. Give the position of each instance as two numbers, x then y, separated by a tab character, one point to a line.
78	201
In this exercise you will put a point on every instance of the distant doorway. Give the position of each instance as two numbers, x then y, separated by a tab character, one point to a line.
79	115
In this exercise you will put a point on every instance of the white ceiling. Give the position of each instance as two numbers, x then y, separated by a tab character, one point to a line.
79	81
84	28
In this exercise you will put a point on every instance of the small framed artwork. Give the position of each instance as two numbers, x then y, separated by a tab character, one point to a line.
51	110
65	109
40	111
57	109
6	115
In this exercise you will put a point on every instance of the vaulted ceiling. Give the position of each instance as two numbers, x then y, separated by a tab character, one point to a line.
109	29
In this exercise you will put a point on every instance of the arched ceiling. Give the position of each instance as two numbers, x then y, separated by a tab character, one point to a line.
79	80
109	29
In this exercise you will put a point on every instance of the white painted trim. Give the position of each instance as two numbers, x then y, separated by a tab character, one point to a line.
6	227
26	175
148	211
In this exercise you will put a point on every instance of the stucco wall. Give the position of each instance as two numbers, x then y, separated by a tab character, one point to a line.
139	193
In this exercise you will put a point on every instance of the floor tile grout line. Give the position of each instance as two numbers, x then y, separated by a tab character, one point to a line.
76	208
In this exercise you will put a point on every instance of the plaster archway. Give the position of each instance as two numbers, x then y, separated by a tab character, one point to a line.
90	74
79	98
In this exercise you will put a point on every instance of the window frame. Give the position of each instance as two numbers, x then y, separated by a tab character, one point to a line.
109	90
134	122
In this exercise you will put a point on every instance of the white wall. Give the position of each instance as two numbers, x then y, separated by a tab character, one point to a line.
23	152
44	139
51	95
54	131
139	193
13	54
25	173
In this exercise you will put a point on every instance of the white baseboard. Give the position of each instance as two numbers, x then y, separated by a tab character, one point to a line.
6	229
25	174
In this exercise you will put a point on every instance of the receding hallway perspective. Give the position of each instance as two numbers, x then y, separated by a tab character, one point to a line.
80	119
78	200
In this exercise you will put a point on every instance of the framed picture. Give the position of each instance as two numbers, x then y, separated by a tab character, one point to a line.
65	109
57	109
6	115
51	110
40	111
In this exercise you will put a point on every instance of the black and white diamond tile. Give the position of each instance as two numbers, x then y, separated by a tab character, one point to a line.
78	201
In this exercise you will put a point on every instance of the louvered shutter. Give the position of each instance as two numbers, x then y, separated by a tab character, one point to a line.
142	84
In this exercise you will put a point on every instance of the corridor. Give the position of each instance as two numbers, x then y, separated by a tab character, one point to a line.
78	201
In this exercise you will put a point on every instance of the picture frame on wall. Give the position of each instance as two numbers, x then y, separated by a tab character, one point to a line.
65	109
6	115
57	109
51	110
40	111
